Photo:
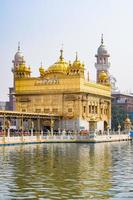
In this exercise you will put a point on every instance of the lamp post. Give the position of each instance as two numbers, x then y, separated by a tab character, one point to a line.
119	129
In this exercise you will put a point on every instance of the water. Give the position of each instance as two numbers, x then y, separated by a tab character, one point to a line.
67	171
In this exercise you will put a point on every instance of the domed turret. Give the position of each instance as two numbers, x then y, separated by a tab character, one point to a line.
102	49
77	68
18	58
77	64
59	66
127	120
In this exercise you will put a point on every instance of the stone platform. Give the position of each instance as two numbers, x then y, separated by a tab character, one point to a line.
92	138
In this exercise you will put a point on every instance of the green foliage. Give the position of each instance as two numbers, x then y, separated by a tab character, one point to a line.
118	117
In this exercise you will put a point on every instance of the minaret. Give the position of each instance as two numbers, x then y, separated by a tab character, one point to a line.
20	70
16	61
102	56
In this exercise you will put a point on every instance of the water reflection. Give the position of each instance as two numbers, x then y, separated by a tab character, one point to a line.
66	171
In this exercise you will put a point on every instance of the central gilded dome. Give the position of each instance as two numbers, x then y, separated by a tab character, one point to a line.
60	66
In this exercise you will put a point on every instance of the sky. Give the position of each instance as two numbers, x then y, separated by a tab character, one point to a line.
42	26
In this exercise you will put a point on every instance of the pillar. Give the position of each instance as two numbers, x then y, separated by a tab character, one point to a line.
38	124
52	125
8	128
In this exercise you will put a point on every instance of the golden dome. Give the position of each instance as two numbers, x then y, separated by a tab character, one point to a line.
59	66
103	76
77	63
127	120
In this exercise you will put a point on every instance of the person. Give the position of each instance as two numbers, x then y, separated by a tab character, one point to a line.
59	131
64	132
48	132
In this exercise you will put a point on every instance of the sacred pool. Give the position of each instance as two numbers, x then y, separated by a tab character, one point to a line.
67	171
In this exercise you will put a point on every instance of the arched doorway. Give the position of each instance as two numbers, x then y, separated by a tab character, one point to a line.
46	126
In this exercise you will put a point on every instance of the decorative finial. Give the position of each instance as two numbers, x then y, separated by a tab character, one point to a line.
41	63
102	39
76	56
18	46
61	52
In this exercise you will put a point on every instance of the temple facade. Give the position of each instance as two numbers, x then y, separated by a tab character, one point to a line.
61	90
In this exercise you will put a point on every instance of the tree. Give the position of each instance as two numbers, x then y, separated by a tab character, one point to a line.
118	117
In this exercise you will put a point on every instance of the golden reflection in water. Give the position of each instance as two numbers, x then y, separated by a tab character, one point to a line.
58	171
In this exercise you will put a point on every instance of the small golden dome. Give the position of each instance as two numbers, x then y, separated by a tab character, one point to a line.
127	120
59	66
103	76
77	63
41	70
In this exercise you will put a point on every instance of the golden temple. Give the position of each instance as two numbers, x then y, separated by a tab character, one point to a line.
62	90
